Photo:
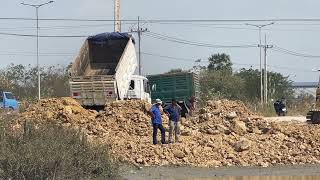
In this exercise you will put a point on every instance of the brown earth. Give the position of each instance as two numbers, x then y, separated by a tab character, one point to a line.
224	133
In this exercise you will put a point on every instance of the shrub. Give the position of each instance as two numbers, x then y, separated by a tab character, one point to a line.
53	152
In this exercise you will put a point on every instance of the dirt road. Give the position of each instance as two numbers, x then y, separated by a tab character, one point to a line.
195	173
287	118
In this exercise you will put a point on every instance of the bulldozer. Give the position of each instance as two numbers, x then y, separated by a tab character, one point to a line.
313	116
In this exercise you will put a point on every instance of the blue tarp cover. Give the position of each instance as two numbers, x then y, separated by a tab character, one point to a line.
103	37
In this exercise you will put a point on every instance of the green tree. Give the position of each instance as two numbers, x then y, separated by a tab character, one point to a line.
23	81
218	84
251	79
278	85
220	62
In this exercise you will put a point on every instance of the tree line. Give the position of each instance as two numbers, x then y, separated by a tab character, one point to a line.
219	79
22	80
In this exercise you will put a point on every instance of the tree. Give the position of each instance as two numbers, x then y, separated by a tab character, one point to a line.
251	80
278	85
220	62
23	81
218	84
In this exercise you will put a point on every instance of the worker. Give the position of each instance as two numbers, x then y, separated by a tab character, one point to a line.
157	122
174	112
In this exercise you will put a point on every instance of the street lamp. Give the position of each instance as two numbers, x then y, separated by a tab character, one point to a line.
260	26
37	6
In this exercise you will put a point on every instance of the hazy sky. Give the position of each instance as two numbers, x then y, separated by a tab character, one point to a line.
302	37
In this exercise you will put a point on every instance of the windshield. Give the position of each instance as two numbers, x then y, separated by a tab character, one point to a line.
9	96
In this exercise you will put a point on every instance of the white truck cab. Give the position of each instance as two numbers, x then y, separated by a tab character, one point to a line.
138	88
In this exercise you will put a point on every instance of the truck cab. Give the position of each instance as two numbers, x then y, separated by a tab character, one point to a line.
139	88
8	101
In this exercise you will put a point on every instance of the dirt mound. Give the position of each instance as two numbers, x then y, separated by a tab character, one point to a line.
62	110
225	116
224	133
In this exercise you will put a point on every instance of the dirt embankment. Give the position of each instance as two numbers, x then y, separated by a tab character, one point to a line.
224	133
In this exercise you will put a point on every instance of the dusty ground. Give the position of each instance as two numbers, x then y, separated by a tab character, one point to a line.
177	173
287	118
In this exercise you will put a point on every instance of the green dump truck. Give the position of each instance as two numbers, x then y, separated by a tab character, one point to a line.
181	86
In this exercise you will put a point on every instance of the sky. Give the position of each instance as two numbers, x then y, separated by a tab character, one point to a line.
162	46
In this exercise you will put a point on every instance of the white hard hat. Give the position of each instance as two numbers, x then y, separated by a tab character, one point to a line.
158	101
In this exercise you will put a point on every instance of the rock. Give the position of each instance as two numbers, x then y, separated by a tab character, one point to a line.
178	154
213	132
256	130
231	115
207	116
263	164
242	145
139	160
302	147
221	128
187	150
213	163
239	127
186	133
67	110
49	114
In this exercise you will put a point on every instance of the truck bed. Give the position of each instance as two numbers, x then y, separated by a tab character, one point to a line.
181	86
102	71
93	90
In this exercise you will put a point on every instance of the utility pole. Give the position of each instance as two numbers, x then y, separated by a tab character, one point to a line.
117	21
260	45
266	47
37	6
139	31
197	66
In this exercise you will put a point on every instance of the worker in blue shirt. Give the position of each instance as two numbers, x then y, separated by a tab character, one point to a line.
157	122
174	112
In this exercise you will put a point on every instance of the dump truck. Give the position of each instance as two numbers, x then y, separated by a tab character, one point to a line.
182	86
313	115
103	71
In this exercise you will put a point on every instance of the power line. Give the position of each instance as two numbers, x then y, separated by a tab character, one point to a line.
216	26
193	43
169	57
59	27
294	53
47	36
234	63
58	55
169	20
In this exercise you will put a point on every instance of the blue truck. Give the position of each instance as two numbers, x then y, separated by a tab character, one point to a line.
8	101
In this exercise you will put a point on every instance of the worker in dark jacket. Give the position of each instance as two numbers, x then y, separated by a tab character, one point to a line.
174	112
157	122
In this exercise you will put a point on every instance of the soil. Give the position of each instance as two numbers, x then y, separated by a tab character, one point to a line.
223	133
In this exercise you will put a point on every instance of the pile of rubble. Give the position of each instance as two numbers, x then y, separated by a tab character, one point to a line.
64	111
224	133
